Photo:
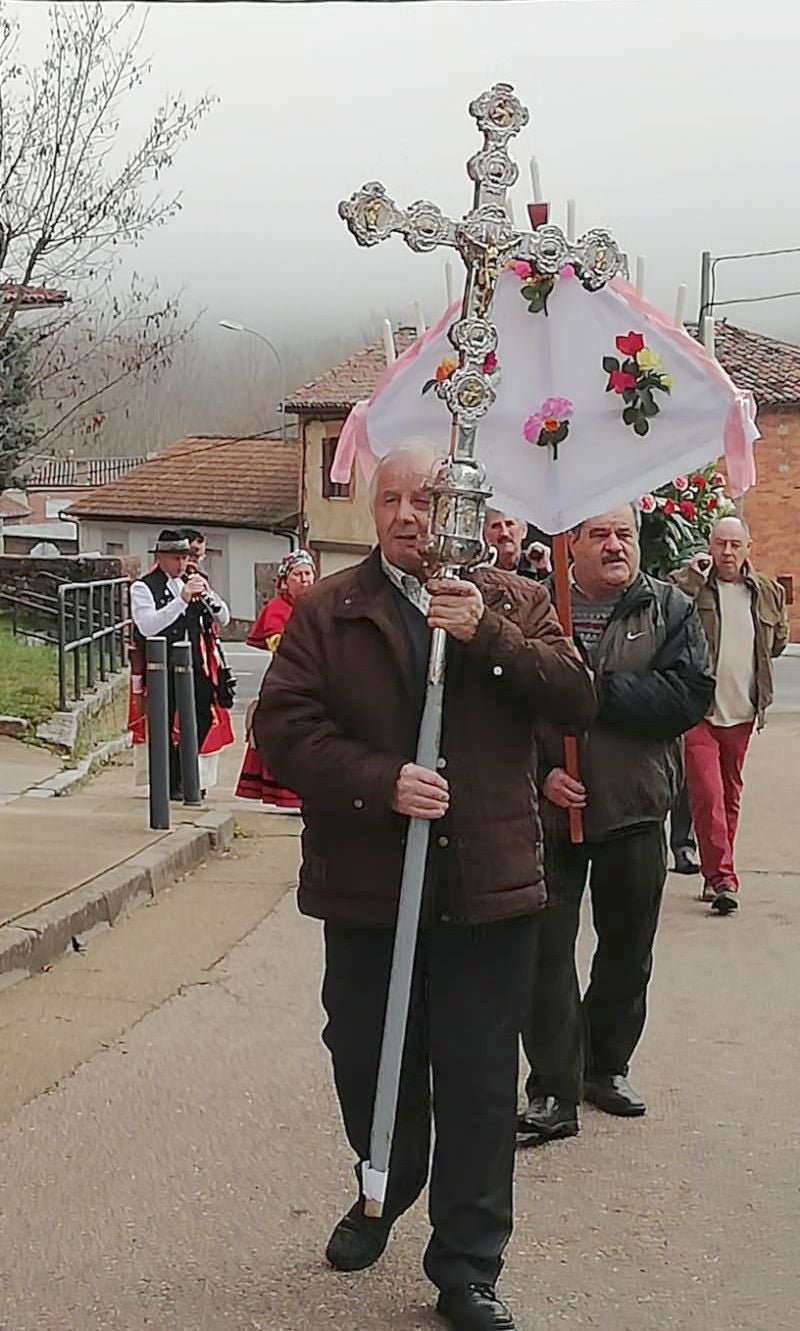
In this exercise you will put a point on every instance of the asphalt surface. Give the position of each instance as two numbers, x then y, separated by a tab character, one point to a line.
248	664
173	1158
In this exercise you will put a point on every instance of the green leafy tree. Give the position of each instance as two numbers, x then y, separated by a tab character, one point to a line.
17	430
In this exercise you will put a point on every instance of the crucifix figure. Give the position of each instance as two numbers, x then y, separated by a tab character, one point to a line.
486	241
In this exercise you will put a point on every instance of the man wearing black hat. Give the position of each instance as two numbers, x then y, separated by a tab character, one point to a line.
169	602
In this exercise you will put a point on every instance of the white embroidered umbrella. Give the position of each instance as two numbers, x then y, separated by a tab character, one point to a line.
587	375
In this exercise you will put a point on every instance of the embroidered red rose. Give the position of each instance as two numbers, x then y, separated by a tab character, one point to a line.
620	380
687	510
700	483
711	503
630	345
669	507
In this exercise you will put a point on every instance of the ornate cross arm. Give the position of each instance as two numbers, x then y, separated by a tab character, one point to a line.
373	216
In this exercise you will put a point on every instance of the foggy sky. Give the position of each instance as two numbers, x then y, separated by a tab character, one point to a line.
674	124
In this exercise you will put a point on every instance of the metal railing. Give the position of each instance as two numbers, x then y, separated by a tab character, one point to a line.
93	629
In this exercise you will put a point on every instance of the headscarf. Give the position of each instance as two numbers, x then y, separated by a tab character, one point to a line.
295	559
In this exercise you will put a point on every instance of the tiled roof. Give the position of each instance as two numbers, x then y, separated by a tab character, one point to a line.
33	298
770	369
205	479
11	507
348	383
73	473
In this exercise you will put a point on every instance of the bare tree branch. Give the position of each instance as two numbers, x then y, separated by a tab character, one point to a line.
69	204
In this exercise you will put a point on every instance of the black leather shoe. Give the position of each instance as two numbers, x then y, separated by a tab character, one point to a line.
357	1241
546	1119
474	1308
686	861
613	1095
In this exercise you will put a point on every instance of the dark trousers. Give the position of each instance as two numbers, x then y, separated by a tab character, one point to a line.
681	835
469	998
564	1038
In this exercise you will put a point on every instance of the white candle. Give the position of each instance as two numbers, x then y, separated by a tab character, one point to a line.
449	285
571	233
419	318
389	349
680	304
510	209
708	334
639	283
536	184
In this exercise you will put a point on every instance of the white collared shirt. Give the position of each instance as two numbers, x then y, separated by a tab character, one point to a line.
409	586
151	621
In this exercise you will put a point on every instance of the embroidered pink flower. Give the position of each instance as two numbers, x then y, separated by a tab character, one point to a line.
681	483
647	503
620	380
718	480
533	427
490	363
522	269
557	406
567	271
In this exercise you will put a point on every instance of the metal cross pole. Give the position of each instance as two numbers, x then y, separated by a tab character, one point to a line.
187	720
486	240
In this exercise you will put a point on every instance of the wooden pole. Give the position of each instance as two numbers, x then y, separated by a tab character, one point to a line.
563	604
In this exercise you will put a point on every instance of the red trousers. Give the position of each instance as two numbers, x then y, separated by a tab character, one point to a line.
714	760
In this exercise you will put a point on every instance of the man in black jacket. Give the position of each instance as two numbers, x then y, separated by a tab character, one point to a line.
646	646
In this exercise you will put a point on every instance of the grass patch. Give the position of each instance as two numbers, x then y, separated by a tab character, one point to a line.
28	678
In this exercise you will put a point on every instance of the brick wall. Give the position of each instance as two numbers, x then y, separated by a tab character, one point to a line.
772	509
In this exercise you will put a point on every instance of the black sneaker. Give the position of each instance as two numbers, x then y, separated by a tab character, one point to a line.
547	1119
474	1308
357	1241
725	902
686	861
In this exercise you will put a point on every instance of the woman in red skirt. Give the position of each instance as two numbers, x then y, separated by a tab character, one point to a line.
296	573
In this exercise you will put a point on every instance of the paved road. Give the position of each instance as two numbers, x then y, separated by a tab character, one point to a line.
248	663
186	1176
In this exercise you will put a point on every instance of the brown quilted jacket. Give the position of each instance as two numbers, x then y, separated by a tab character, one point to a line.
338	717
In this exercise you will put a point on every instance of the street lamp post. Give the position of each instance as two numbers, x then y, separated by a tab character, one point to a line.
242	328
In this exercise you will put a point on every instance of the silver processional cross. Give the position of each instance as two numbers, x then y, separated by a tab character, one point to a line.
486	241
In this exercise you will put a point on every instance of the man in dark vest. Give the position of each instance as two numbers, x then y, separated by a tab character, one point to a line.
171	603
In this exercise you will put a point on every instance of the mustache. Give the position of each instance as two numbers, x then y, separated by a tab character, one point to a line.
614	559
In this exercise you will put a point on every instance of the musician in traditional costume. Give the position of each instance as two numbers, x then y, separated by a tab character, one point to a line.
296	573
169	602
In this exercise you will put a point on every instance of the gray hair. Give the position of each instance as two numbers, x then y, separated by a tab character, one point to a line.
419	450
732	517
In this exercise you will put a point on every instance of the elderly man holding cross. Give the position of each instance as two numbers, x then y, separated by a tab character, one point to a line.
337	721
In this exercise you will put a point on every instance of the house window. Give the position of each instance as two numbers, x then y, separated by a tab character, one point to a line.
331	489
115	548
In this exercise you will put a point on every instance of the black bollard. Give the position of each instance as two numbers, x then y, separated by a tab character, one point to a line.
187	717
158	733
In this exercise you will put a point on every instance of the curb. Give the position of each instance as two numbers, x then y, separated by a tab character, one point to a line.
39	938
65	781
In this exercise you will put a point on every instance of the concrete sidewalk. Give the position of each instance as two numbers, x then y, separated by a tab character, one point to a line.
72	864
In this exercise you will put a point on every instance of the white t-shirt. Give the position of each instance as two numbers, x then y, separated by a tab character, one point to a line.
733	696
